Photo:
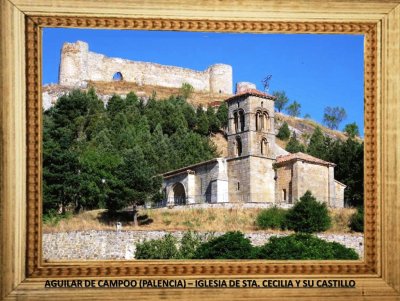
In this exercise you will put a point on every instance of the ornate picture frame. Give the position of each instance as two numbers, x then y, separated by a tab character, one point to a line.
23	270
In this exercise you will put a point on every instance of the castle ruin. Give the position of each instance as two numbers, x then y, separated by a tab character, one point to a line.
79	65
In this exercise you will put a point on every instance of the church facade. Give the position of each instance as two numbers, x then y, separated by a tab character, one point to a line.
256	170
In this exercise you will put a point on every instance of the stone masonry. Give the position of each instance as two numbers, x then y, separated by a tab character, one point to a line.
79	65
100	245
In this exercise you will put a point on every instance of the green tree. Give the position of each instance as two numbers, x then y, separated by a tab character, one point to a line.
317	146
308	215
281	100
222	115
202	121
294	145
349	159
300	246
214	124
351	129
231	245
284	132
294	109
138	180
333	116
357	220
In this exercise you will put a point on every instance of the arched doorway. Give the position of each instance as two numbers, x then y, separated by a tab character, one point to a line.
178	194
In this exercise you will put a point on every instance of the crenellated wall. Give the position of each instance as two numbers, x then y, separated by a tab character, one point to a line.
79	65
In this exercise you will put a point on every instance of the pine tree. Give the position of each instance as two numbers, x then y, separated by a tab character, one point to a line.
317	146
284	132
294	145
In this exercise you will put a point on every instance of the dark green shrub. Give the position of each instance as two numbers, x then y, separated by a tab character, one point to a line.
284	132
308	215
273	218
303	246
357	220
231	245
164	248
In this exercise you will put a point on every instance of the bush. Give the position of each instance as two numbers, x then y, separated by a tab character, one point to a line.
52	217
186	90
189	243
303	246
284	132
357	220
273	218
231	245
308	215
164	248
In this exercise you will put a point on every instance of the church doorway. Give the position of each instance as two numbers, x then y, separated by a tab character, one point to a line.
178	194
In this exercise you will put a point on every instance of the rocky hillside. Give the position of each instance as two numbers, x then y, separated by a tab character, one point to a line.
106	89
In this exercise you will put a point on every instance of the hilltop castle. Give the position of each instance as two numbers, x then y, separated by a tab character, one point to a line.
79	65
256	169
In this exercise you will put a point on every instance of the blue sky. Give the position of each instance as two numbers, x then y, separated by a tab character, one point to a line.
315	70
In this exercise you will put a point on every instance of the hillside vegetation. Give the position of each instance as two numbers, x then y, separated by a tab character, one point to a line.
97	157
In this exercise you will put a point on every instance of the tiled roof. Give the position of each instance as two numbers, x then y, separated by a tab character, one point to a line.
187	168
303	157
252	92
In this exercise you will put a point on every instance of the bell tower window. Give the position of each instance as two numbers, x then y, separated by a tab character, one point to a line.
236	121
242	122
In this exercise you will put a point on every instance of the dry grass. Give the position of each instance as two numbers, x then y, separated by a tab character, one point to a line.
340	219
208	220
221	143
307	126
122	87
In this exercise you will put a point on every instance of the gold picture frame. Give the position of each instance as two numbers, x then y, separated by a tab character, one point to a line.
23	272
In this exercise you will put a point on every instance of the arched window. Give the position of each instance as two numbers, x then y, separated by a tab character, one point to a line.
261	117
238	146
256	120
236	121
267	121
117	76
264	147
241	118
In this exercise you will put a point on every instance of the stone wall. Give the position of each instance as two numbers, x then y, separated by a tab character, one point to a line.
100	245
79	65
284	182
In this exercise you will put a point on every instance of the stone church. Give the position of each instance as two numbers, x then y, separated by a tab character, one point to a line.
256	169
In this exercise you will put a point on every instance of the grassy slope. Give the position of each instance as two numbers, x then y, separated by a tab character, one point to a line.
211	220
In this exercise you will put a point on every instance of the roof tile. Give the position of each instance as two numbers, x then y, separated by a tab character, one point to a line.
303	157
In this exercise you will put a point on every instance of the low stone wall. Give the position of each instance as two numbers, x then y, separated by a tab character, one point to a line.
82	245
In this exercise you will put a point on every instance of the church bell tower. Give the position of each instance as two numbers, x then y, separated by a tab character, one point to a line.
251	144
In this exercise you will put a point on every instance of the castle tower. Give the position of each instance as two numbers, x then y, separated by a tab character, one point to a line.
74	64
251	144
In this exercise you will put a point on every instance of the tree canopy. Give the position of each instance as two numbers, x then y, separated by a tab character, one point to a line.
281	100
294	109
333	116
111	157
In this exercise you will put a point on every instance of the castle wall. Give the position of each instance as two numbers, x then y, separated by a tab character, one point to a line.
79	65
